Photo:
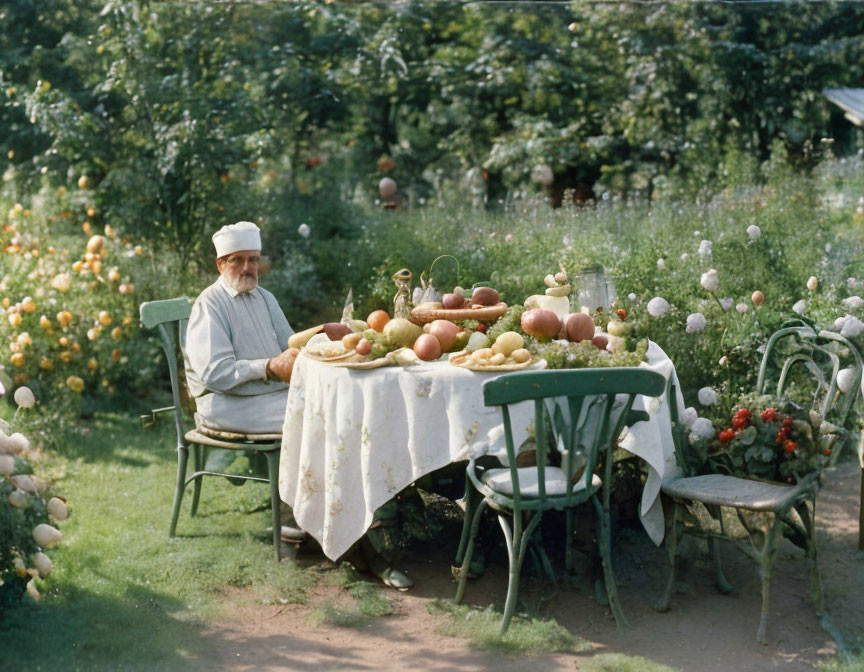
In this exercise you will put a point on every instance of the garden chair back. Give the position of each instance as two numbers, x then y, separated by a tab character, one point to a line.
792	505
170	318
578	414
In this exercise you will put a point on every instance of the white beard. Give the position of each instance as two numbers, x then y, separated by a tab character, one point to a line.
242	283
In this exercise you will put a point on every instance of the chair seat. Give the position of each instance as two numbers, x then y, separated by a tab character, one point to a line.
248	443
227	435
499	481
722	490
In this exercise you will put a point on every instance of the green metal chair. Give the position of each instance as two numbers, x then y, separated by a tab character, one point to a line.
170	317
792	507
578	413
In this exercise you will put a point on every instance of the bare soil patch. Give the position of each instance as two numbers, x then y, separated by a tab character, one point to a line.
704	630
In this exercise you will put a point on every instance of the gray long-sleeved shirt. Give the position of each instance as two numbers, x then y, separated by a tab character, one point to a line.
229	338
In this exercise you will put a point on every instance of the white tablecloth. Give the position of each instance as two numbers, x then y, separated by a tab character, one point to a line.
353	439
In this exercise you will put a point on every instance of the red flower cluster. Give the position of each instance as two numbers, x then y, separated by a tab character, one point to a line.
741	418
785	428
726	435
769	415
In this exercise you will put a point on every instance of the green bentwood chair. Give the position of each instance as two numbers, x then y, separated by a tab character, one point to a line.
790	509
578	413
170	317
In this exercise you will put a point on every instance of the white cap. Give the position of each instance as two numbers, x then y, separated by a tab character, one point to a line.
235	237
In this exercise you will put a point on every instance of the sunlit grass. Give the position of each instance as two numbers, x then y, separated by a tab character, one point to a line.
362	602
122	594
618	662
524	636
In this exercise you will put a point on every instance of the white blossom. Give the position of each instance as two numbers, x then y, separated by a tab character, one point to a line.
742	308
661	264
542	174
852	283
697	234
812	283
688	417
707	396
754	232
800	307
838	324
727	304
684	256
852	327
705	248
695	323
701	430
24	397
508	238
710	281
657	307
723	361
631	296
853	303
845	378
304	230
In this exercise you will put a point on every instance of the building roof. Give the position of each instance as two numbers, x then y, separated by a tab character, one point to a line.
851	101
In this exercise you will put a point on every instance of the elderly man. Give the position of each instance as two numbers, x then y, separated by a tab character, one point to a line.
238	363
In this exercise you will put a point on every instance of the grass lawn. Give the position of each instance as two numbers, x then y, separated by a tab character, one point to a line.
122	595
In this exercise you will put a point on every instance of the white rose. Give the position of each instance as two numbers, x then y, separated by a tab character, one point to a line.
853	303
845	378
688	417
852	327
657	307
661	264
684	256
695	323
7	465
838	324
24	397
705	248
742	308
800	307
46	536
812	283
851	283
701	430
754	232
710	280
707	396
630	297
304	230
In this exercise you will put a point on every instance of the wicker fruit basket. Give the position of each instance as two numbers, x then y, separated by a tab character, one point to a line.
484	314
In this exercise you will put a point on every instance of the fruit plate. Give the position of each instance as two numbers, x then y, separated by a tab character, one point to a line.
351	360
484	314
463	361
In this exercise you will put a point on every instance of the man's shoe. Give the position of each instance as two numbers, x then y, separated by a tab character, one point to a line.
394	578
293	535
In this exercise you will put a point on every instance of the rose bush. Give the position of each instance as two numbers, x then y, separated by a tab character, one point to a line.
29	513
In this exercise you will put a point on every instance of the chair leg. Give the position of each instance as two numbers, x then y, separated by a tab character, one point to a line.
671	539
720	580
469	551
199	458
605	543
471	496
517	546
766	570
273	475
182	459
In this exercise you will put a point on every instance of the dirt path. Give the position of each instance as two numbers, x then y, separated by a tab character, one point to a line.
704	631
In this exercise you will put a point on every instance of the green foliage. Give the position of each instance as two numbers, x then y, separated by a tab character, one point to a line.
585	354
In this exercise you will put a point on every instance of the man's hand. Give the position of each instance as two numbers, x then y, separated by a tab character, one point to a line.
281	366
